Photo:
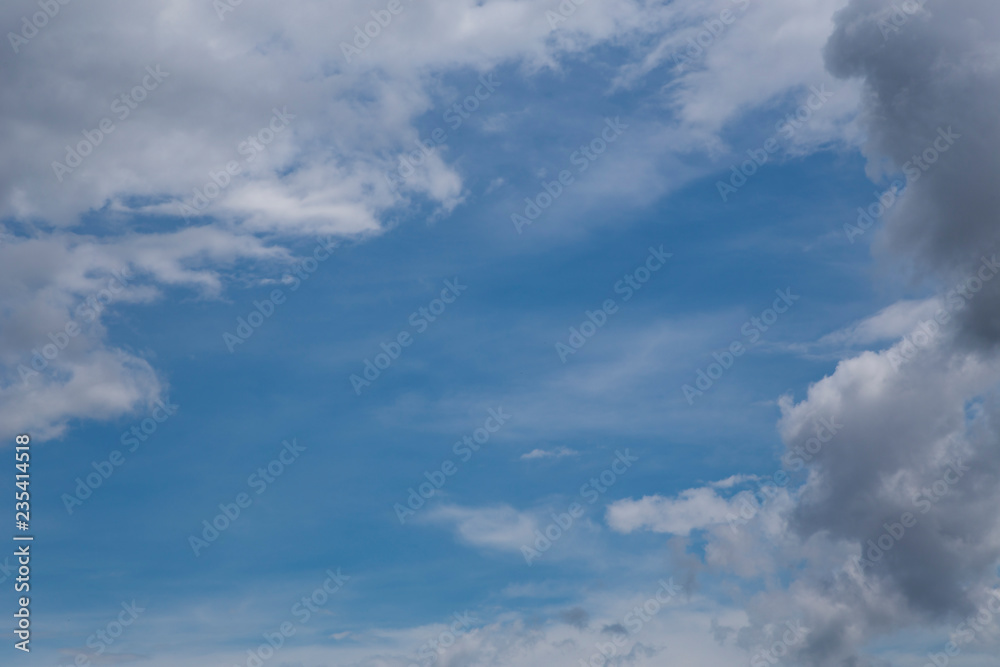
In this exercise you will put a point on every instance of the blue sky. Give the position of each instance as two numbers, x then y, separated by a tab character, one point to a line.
520	288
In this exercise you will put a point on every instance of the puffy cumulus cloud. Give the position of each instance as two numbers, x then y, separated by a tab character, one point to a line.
889	519
55	362
102	384
919	436
745	534
892	527
918	441
893	524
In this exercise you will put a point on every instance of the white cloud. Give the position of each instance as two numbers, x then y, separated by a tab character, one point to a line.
728	70
889	323
693	509
557	453
57	292
501	528
681	630
733	480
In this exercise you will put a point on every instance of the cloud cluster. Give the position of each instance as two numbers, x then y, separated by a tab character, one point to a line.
241	127
894	524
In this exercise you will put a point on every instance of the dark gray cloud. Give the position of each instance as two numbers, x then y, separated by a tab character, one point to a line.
577	617
912	479
896	524
932	69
